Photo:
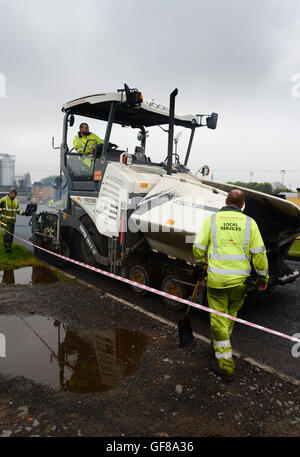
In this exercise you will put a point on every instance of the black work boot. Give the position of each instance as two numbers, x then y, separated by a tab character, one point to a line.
218	371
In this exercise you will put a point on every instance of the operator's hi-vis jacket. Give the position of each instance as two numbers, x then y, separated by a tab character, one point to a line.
230	240
79	143
9	209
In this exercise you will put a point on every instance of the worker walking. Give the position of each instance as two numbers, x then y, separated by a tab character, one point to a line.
88	140
9	208
226	244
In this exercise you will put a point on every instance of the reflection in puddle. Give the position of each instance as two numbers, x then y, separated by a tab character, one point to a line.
48	352
28	275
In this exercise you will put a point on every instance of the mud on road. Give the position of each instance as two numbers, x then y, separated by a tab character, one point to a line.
81	364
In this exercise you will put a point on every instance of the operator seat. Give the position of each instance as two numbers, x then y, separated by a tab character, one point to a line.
139	154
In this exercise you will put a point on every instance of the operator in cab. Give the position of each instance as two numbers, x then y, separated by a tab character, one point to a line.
85	136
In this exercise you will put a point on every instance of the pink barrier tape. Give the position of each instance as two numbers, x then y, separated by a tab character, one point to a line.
159	292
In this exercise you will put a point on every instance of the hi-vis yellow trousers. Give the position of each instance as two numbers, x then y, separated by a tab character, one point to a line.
227	301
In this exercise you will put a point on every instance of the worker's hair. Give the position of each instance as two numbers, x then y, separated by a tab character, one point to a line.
14	191
236	197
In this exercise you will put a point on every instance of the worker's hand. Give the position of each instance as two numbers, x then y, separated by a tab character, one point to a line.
262	285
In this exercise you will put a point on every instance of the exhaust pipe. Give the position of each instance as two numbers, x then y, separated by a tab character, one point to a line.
171	130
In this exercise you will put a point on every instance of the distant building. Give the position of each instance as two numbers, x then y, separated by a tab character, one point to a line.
42	193
7	171
291	196
288	195
23	183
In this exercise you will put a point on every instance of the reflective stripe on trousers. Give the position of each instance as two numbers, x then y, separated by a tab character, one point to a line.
262	272
224	355
221	344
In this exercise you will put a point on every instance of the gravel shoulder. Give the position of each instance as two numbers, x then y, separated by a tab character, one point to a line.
171	393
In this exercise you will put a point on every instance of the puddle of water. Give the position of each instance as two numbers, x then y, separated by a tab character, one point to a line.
28	275
48	352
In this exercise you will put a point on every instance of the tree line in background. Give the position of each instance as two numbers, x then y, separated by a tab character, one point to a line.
49	180
266	187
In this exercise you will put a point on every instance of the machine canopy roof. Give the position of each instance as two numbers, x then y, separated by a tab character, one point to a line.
148	114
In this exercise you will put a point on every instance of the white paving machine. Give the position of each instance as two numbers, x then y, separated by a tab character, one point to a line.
137	217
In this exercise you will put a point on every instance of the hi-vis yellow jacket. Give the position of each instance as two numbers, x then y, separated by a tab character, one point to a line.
229	240
79	143
8	210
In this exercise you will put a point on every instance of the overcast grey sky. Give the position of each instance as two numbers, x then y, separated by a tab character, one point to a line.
235	57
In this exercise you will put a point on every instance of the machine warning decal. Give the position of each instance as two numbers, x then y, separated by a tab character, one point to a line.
89	200
98	175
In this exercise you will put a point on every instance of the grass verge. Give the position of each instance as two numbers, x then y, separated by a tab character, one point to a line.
295	248
20	257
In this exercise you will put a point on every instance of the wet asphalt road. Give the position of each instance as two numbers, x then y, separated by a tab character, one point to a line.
278	309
